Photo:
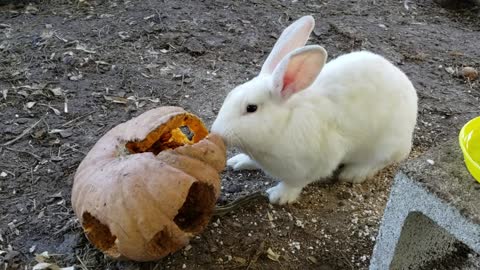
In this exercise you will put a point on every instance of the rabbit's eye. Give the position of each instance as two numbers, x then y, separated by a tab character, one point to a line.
251	108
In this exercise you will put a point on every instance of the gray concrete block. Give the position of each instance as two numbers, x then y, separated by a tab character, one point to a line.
431	208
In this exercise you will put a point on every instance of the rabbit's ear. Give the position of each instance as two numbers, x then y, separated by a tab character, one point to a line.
298	70
293	37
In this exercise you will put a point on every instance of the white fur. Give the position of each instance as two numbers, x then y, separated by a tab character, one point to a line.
242	162
359	111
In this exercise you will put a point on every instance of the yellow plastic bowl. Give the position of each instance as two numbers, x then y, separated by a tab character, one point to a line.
469	139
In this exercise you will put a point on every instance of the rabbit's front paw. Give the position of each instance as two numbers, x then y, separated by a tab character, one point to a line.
242	162
282	194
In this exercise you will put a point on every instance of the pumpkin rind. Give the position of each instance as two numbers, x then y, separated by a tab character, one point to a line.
129	204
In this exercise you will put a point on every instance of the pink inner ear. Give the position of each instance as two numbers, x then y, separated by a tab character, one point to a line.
298	71
289	82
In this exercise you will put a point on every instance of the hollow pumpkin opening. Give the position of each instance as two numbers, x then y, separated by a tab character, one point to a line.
197	209
163	243
179	130
99	235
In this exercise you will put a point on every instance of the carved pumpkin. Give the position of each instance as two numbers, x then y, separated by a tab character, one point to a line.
147	187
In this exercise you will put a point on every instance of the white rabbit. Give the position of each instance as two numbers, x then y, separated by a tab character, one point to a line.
300	118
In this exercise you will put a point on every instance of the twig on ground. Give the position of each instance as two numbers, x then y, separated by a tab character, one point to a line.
26	152
25	132
74	150
225	209
76	119
257	254
70	224
84	267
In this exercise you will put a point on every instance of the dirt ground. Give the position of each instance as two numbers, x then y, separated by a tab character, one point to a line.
71	70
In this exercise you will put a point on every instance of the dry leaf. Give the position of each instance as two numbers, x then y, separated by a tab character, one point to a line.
116	99
83	48
33	86
270	217
4	93
456	53
31	104
153	52
61	38
50	266
240	260
101	63
4	44
66	133
312	259
450	70
23	93
299	223
106	15
75	77
149	17
123	35
272	255
42	257
31	9
57	91
37	93
151	66
53	131
164	70
42	266
47	34
55	111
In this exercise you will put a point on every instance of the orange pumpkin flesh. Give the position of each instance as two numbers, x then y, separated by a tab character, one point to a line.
146	188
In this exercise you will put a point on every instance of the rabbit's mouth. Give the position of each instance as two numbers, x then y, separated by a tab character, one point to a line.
231	139
237	142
